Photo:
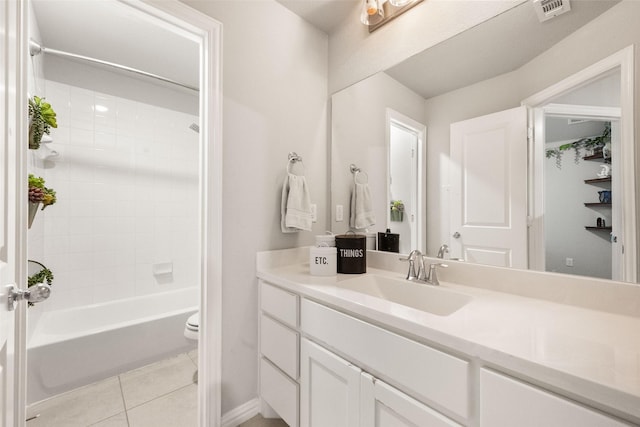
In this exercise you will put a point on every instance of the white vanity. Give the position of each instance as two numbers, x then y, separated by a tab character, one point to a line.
366	350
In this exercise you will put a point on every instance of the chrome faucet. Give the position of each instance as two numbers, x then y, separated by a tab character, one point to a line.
444	249
412	274
422	274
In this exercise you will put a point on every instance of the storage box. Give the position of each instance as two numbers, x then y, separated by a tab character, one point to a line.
352	253
322	261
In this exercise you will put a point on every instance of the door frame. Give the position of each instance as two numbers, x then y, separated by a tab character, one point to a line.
622	61
420	129
208	32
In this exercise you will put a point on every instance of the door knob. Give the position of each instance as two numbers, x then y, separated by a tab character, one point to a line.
456	235
36	293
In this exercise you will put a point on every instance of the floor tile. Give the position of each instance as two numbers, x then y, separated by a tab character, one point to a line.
152	381
176	409
119	420
81	407
259	421
193	354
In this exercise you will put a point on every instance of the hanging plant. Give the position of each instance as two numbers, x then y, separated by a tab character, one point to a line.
38	193
397	210
41	119
44	275
594	143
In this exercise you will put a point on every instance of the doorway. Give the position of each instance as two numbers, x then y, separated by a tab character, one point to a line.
405	178
584	97
206	33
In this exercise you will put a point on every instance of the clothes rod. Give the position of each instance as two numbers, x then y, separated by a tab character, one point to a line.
36	49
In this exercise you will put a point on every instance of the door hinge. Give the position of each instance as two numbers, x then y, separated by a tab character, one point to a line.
530	133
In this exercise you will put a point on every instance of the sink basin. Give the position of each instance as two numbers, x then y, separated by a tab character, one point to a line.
432	299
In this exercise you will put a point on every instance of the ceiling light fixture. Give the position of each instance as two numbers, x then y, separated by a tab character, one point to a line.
376	13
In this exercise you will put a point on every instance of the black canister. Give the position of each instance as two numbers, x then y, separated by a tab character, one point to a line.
352	253
389	242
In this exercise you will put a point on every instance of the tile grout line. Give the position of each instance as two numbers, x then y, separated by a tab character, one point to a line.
124	404
157	397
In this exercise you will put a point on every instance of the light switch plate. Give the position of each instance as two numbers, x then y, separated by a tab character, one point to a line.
314	212
339	213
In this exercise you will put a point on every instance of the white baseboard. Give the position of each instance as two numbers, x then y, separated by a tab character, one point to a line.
242	413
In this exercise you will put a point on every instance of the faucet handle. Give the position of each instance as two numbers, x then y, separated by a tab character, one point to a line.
411	258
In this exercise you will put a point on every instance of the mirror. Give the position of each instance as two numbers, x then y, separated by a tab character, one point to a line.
486	69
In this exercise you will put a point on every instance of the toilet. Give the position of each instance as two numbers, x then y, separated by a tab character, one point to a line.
192	326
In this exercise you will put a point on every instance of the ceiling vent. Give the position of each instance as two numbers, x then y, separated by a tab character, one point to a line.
547	9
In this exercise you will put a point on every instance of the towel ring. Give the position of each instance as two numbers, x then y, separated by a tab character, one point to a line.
355	171
292	159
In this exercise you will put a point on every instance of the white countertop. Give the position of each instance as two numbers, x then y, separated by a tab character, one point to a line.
589	355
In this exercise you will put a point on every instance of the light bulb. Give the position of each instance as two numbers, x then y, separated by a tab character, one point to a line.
372	7
371	11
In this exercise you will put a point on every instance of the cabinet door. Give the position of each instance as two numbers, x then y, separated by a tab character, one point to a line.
506	402
329	389
384	406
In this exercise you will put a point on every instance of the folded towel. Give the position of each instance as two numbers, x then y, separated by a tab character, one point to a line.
295	208
361	215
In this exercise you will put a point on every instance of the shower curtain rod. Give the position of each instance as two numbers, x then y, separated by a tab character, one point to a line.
36	49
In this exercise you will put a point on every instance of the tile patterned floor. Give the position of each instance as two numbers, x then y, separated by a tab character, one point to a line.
163	394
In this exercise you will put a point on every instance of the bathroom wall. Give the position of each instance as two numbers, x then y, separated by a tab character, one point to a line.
607	34
126	178
275	101
363	142
354	53
566	216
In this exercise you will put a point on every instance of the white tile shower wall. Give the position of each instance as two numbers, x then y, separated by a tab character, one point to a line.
127	190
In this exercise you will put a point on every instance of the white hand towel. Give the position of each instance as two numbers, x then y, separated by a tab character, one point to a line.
361	215
295	208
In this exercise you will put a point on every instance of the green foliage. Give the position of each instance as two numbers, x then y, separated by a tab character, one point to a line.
47	196
397	205
42	119
40	277
582	144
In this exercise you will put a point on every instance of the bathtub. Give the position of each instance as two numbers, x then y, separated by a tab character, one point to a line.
75	347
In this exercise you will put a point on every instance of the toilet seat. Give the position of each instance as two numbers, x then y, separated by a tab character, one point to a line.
192	326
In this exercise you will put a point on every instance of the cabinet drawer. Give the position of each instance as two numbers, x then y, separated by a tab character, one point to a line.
280	304
280	392
436	378
280	345
506	402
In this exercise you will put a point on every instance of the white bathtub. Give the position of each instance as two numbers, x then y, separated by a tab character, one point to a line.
75	347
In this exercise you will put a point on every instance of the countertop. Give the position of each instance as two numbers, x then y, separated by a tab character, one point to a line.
588	355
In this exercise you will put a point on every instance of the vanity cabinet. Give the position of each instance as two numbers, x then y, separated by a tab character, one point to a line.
337	393
322	367
506	402
279	351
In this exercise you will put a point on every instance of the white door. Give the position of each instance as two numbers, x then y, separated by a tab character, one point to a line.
383	406
403	184
489	189
329	389
12	194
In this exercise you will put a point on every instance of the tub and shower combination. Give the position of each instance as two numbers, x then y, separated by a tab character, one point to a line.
123	239
77	346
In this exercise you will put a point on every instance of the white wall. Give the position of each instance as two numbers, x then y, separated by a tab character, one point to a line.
358	136
355	54
275	101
